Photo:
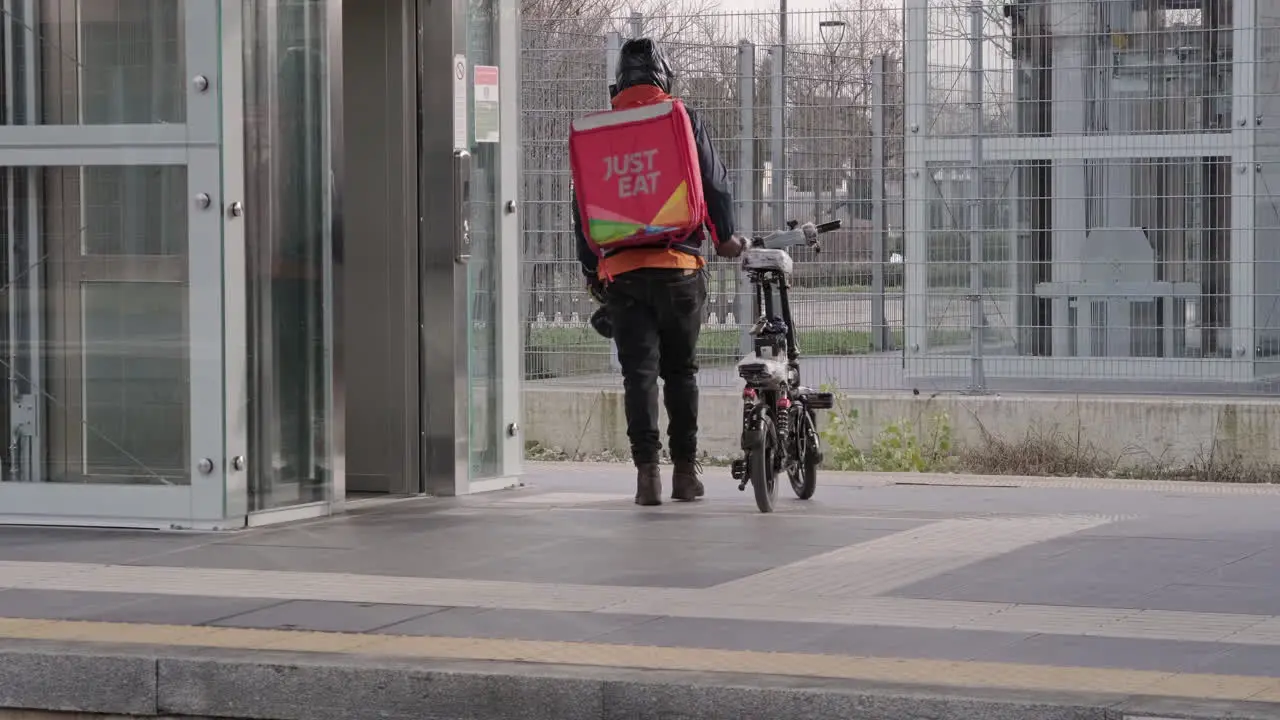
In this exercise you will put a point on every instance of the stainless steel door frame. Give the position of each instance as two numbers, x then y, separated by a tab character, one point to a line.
229	300
510	346
336	275
443	298
454	204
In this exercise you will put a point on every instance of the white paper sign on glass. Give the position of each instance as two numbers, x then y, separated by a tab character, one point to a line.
487	107
460	102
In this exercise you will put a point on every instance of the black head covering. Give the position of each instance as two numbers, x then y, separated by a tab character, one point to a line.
641	62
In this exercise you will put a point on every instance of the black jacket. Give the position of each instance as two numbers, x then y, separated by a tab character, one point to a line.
715	189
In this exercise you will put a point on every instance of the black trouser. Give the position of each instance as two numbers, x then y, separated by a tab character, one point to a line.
657	316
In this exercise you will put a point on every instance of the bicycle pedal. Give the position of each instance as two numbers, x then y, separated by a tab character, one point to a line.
738	470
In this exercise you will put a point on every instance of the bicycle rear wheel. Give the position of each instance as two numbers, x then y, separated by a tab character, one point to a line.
804	474
762	467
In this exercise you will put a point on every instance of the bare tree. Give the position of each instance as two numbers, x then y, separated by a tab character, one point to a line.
829	93
949	34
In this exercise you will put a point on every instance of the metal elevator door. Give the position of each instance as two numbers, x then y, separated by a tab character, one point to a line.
380	274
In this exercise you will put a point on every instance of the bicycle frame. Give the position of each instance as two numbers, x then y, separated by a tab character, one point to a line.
774	338
774	332
773	399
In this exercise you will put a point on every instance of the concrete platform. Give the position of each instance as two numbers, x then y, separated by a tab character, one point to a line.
886	596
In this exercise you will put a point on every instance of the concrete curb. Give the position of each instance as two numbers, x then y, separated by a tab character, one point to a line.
158	682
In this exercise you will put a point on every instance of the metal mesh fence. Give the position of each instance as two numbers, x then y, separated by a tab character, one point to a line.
812	156
1088	208
1103	164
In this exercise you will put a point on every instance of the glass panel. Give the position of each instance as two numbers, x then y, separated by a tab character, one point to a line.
96	343
484	370
287	161
97	62
111	193
135	378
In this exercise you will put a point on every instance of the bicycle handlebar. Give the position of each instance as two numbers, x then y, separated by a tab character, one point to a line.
806	234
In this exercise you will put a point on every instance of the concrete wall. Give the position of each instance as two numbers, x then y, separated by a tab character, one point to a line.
586	420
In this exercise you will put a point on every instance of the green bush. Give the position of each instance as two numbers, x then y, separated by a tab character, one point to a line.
900	446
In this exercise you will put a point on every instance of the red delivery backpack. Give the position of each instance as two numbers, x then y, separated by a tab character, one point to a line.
636	176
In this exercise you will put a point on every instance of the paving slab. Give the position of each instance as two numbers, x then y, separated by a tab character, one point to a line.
550	625
319	616
1094	593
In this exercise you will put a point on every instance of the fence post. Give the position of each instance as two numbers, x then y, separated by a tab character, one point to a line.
881	340
777	135
746	183
977	373
612	46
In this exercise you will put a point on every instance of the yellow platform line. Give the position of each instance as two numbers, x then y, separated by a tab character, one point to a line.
942	673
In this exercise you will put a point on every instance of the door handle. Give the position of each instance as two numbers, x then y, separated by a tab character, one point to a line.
462	206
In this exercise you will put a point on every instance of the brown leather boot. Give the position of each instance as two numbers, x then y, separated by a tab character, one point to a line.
685	484
648	484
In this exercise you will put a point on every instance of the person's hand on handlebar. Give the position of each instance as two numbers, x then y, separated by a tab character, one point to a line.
595	288
732	247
